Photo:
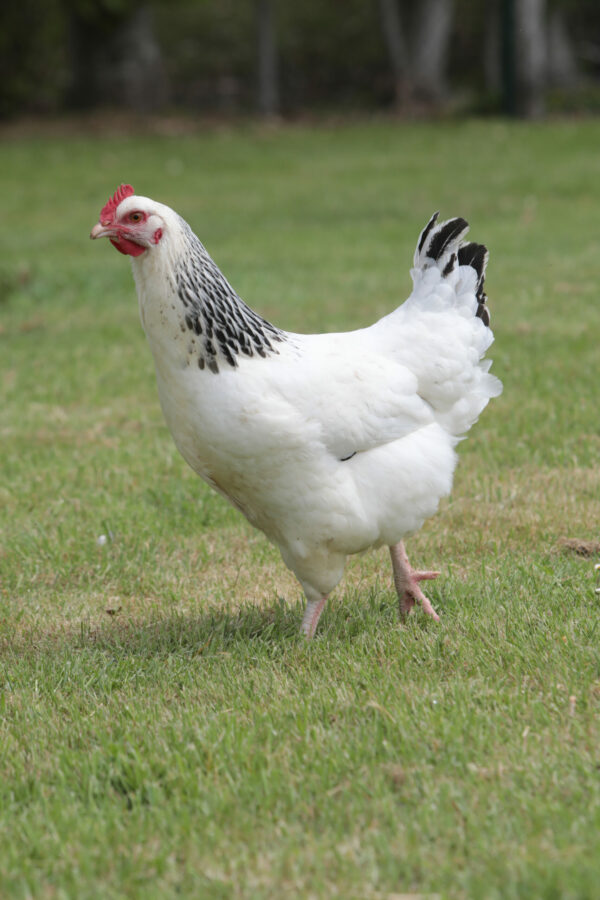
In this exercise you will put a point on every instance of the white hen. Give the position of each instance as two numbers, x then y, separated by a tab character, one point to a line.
329	443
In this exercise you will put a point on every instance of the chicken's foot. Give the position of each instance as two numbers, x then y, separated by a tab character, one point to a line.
406	581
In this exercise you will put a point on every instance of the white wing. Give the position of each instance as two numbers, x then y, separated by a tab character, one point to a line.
358	398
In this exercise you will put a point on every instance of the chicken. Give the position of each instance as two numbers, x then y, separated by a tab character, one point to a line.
328	443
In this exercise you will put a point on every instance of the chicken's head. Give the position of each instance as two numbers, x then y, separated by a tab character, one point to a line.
132	224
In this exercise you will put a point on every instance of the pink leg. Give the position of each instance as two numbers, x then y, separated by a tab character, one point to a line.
314	608
406	580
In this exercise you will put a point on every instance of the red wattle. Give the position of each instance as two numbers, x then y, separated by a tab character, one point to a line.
129	248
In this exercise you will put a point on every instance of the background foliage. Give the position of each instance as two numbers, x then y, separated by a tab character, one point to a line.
204	55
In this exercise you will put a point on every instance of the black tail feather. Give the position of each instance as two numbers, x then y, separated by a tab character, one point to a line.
444	236
483	312
476	256
426	231
449	267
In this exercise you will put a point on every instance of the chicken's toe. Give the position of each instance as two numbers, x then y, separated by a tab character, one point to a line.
412	593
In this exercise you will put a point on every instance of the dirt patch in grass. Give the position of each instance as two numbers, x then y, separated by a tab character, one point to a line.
580	547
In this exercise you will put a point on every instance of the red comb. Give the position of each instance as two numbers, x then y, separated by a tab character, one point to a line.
108	210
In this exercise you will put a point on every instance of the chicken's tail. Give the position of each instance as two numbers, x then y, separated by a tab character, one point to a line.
441	333
463	263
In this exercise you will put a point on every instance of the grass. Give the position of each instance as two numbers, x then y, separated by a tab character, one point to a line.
163	729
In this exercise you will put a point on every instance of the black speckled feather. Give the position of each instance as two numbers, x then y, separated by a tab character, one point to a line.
213	312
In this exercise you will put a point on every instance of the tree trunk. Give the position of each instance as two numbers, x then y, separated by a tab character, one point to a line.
492	57
139	77
530	57
393	36
268	79
418	58
507	56
563	71
116	61
431	41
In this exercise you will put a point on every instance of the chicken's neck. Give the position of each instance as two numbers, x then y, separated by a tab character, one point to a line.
223	325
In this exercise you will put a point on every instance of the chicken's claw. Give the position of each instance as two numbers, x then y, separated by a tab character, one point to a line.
406	580
412	593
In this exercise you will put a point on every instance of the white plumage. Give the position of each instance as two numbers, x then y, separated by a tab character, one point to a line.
329	443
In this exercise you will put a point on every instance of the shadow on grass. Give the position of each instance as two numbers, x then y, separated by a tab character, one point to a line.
213	630
218	629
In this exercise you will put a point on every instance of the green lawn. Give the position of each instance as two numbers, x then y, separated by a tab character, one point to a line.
164	731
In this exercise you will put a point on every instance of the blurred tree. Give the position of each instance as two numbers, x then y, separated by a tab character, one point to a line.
205	54
530	58
209	51
528	50
508	53
418	50
268	75
393	35
32	50
331	55
114	55
563	69
432	30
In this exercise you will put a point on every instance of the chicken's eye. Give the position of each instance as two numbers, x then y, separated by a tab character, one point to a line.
135	217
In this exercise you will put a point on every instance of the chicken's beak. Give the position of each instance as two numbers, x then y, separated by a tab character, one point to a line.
100	230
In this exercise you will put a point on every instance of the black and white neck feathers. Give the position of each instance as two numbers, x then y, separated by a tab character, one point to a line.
224	326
